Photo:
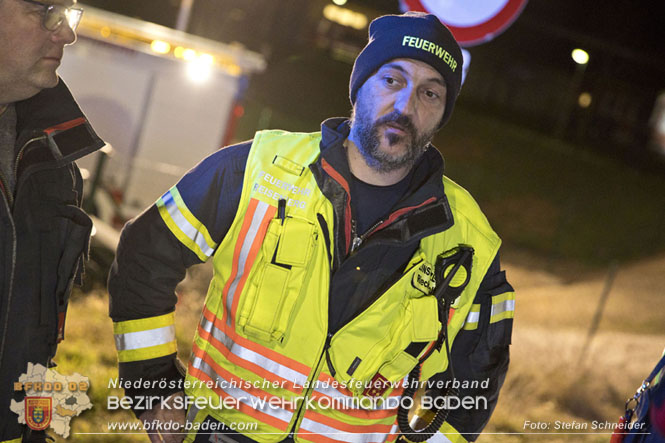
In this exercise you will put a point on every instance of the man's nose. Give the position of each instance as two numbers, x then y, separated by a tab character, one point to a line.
405	101
64	34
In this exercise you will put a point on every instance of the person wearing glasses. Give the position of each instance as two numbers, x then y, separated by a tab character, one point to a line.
44	234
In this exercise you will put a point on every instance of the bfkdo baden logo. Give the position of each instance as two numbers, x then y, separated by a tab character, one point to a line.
38	412
51	399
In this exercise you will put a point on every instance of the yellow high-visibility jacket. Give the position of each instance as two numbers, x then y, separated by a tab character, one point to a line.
267	352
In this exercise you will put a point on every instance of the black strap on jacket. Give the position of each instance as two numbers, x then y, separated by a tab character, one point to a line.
448	266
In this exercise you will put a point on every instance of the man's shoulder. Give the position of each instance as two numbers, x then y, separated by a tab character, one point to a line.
464	206
299	147
280	134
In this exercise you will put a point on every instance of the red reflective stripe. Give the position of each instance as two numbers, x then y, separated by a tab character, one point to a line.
229	377
399	212
242	407
256	245
236	252
377	414
267	353
317	438
326	378
347	209
66	125
248	365
346	427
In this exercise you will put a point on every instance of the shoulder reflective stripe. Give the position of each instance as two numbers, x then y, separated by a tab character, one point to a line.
472	318
251	236
16	440
503	307
147	353
144	324
350	433
144	339
253	357
184	225
249	404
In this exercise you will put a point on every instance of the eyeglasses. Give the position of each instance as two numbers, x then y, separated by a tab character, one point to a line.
53	16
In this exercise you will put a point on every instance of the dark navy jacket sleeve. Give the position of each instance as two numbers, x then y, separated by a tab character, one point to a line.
153	254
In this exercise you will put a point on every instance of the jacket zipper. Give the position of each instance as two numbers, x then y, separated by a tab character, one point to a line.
358	240
11	280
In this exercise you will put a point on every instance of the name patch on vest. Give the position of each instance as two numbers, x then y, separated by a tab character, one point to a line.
285	190
423	278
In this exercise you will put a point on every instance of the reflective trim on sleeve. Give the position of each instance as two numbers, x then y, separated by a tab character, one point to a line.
184	225
145	338
503	307
15	440
472	318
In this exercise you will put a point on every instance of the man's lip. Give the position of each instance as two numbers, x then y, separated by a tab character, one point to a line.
53	58
396	126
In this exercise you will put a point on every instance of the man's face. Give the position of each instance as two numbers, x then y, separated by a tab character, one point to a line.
29	54
397	112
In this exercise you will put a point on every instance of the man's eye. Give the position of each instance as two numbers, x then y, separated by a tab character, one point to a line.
431	94
390	80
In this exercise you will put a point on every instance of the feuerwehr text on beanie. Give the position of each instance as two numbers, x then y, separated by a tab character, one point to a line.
414	35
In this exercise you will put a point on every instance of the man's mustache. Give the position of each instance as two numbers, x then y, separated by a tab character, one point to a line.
399	119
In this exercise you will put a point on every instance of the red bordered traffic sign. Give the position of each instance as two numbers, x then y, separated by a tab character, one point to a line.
478	32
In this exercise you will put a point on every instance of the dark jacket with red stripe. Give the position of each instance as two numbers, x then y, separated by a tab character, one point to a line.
150	261
44	237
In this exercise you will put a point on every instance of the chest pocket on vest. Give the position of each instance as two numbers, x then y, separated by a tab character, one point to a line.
374	342
278	280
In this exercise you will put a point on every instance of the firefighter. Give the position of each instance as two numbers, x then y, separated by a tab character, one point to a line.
347	269
44	234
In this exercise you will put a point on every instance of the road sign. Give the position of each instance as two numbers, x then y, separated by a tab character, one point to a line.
471	22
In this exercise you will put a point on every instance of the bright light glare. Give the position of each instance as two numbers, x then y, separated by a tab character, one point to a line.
200	68
160	47
179	51
345	17
339	2
584	100
189	54
580	56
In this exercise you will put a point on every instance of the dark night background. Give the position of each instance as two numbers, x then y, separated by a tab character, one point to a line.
524	75
517	134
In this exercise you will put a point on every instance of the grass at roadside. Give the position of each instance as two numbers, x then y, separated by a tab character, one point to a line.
89	350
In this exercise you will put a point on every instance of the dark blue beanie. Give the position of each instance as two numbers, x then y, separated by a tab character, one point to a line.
414	35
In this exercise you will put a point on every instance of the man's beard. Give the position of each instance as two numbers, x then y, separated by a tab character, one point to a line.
367	134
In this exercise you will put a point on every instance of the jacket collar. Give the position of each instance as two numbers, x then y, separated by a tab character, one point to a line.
51	129
423	211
